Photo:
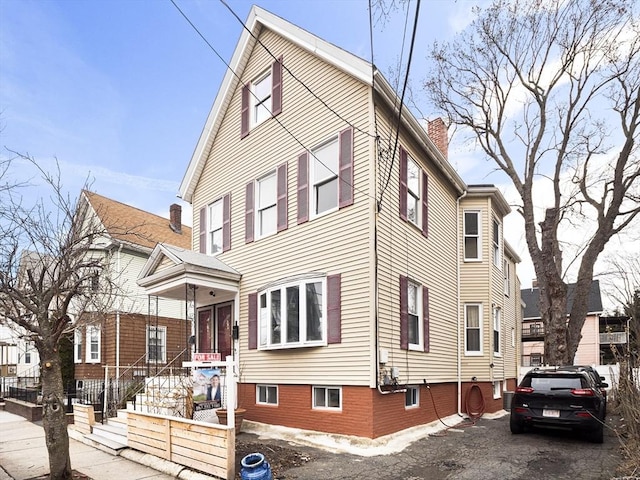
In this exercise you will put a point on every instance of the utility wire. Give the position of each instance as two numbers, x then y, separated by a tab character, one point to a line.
355	127
299	142
404	88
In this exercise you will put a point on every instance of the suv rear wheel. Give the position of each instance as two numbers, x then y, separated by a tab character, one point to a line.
597	434
516	426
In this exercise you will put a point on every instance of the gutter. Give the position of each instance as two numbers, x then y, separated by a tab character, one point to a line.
460	320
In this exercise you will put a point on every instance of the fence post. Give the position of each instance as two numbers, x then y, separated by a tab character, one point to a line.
105	394
231	393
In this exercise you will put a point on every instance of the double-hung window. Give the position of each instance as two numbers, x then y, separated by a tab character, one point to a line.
156	344
266	197
77	345
472	245
414	315
261	98
496	244
93	344
473	328
324	178
215	227
507	277
414	189
293	314
414	320
497	323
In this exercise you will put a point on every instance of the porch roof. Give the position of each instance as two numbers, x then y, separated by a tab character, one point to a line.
170	269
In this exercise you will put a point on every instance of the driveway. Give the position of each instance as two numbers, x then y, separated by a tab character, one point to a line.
485	451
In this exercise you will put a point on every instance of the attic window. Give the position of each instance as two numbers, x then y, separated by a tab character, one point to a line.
262	98
261	101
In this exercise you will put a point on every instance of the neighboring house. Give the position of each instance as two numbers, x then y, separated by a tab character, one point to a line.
128	327
341	277
615	339
8	352
589	348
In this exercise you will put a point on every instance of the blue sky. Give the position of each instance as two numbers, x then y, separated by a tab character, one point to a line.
118	91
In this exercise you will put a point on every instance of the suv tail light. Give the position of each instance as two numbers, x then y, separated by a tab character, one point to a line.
524	390
582	392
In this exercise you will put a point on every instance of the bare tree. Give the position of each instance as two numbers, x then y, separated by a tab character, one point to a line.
47	271
550	91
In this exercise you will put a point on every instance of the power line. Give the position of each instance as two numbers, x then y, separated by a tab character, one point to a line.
355	127
404	88
235	74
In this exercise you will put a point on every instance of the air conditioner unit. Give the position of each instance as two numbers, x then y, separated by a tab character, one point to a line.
12	370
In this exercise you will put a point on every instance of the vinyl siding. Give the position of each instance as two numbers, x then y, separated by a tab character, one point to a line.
336	243
403	250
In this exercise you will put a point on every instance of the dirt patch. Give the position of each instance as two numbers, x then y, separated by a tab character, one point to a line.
280	458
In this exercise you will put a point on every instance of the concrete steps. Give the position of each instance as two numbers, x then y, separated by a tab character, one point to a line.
112	435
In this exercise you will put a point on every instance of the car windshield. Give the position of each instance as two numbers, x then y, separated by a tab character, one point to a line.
555	383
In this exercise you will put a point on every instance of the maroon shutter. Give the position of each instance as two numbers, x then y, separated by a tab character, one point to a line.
404	313
276	87
345	184
303	187
203	230
403	184
425	316
282	205
334	307
252	299
249	223
425	204
244	116
226	222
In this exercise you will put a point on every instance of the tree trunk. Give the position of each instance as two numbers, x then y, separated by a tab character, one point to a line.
54	418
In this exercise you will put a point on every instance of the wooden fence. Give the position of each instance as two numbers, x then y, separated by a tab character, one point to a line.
207	447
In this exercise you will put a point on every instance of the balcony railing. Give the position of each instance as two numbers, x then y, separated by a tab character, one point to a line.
535	360
532	331
609	338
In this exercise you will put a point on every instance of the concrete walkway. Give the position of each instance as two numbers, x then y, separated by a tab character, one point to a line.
23	456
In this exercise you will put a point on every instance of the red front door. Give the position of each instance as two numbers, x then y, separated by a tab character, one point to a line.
223	315
204	331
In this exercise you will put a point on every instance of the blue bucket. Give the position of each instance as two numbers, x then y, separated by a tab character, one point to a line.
255	467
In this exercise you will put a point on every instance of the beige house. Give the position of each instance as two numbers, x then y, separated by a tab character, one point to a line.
340	271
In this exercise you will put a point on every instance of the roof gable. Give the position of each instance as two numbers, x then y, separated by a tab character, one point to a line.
136	227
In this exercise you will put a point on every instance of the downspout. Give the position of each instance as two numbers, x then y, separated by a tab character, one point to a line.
118	319
459	316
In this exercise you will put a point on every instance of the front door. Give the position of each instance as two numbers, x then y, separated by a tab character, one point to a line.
204	331
224	322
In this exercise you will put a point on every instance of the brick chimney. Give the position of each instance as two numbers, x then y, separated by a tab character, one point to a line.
175	218
437	131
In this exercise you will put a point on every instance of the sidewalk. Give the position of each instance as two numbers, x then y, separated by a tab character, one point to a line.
23	455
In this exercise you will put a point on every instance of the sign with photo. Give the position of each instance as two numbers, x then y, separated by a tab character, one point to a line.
208	384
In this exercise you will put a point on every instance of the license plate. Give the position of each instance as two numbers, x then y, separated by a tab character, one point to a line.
551	413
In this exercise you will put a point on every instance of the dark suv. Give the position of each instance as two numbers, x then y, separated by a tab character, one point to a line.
559	398
597	379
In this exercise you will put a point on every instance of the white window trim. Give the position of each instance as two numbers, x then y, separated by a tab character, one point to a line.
478	213
77	341
417	195
211	229
254	99
312	181
257	210
266	386
473	353
326	388
496	249
497	322
282	287
417	403
507	277
420	345
90	330
163	330
497	389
